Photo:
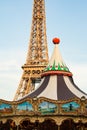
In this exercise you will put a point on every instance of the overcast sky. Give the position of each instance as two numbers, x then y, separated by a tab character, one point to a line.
66	19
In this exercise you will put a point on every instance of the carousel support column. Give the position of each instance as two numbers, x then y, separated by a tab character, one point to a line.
35	106
58	127
82	127
83	99
82	104
18	127
58	122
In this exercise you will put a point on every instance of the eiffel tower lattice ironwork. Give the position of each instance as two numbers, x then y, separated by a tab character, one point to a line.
37	57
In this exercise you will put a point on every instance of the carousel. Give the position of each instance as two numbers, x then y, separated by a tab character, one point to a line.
56	104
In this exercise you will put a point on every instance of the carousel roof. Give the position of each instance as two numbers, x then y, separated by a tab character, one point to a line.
57	82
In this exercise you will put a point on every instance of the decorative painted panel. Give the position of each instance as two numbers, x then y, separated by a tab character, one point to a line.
71	106
25	106
5	108
47	107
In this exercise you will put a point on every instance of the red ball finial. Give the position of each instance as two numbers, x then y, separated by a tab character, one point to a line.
56	40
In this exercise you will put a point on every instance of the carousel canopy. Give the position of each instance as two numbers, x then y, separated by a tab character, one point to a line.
57	82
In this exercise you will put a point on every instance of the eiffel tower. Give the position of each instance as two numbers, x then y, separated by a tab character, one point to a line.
37	56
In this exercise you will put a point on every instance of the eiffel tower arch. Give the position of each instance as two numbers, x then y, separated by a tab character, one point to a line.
37	56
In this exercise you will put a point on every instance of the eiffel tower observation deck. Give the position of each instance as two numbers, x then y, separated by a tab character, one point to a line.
37	56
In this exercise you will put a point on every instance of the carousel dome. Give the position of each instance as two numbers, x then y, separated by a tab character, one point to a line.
57	82
56	64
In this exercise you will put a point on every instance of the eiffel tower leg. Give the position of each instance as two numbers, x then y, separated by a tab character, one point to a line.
37	56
